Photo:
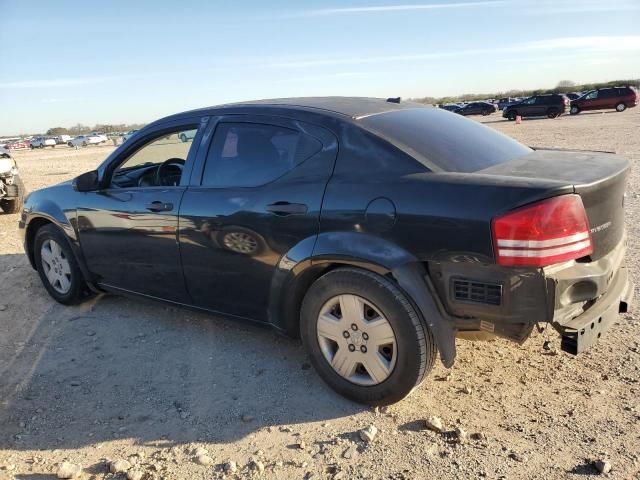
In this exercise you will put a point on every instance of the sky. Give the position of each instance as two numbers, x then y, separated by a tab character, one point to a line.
66	62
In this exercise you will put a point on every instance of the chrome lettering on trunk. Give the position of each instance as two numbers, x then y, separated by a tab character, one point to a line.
599	228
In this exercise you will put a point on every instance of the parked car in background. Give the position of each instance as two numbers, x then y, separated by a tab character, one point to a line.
186	135
450	107
128	135
619	98
85	140
505	102
11	186
62	139
41	142
16	144
476	108
551	106
101	136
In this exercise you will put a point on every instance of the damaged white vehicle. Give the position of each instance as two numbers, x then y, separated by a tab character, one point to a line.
11	186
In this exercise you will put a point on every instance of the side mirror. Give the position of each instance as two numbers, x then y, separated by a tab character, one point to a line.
87	182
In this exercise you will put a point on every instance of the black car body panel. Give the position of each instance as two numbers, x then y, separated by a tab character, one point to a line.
368	195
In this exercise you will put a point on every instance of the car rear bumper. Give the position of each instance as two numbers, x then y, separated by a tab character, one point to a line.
510	301
588	299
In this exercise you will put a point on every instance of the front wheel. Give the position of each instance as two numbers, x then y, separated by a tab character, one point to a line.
364	337
574	110
57	266
621	107
511	115
183	138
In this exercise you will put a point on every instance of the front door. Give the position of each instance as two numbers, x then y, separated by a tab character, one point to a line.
258	196
128	229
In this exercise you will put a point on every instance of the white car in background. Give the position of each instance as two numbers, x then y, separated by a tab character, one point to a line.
128	135
41	142
84	140
103	138
62	139
186	136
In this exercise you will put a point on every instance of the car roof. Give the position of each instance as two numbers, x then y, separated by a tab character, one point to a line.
350	107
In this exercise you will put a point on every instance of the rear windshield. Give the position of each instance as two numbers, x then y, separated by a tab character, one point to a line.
447	140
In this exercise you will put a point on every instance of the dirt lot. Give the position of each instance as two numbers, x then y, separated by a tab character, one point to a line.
149	383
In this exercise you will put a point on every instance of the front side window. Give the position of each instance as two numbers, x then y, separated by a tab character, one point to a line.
158	163
530	101
252	154
591	95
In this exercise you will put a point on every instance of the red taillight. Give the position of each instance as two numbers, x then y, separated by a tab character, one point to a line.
547	232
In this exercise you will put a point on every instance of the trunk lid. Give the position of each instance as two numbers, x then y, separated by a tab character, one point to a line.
598	177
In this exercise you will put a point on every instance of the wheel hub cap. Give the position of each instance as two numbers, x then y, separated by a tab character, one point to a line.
56	266
356	339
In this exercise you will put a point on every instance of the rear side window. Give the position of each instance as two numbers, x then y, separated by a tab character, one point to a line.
252	154
447	141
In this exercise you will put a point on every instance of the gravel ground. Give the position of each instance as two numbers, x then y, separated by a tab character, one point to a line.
179	394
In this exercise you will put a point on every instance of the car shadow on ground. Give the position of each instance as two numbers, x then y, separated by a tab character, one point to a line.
123	368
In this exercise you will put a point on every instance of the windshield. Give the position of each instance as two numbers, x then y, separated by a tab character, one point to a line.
446	140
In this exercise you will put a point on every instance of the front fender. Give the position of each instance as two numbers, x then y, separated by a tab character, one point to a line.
38	211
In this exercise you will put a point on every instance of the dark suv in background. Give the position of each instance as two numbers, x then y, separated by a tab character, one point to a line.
619	98
550	106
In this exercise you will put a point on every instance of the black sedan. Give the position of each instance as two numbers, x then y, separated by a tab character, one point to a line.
476	108
377	231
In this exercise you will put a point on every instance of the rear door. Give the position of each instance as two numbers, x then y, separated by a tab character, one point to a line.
607	98
255	194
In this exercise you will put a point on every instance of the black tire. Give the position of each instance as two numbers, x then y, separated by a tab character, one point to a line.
15	204
31	147
511	115
485	113
183	138
621	107
574	110
84	144
553	113
416	348
78	289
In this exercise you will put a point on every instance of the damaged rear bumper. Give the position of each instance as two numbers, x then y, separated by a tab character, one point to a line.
589	298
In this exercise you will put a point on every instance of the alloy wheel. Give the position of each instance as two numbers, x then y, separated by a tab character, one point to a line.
56	266
356	340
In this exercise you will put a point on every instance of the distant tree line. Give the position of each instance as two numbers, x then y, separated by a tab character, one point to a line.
564	86
80	129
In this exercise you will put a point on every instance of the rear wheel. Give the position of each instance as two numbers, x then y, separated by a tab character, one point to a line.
364	337
183	138
57	266
553	113
511	115
621	107
574	110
